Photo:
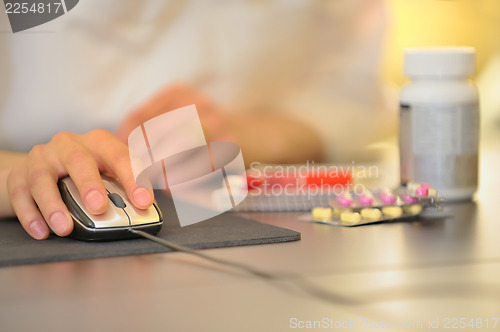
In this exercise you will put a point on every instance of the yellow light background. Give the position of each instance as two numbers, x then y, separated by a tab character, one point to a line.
420	23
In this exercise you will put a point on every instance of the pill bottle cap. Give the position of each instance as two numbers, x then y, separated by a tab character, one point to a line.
440	62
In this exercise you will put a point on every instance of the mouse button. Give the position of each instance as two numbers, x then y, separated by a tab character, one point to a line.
117	200
112	186
141	217
71	196
113	217
73	206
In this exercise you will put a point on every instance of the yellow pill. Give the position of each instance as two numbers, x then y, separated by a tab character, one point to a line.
338	211
413	209
371	214
350	218
322	214
392	211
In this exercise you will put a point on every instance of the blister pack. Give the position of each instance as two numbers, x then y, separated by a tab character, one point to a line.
377	206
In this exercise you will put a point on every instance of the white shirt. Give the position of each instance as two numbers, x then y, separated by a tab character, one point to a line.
316	60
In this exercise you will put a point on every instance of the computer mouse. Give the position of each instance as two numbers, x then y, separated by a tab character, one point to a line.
116	222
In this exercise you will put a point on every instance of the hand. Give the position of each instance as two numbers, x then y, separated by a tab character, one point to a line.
266	137
170	98
32	184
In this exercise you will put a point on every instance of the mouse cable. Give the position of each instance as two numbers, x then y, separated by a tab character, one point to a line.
297	279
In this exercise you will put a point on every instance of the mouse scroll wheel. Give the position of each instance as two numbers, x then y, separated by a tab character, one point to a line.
117	200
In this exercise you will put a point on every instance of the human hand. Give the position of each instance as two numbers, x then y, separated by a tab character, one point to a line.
174	96
263	136
32	184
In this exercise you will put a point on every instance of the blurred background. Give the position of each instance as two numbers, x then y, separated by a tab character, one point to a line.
476	23
441	23
99	44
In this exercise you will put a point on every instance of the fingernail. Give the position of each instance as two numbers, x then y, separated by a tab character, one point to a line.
37	230
94	200
59	223
142	196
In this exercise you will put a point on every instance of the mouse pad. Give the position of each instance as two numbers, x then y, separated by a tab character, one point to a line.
226	230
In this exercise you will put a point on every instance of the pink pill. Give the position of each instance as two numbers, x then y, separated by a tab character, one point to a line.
422	191
409	199
345	200
387	197
366	199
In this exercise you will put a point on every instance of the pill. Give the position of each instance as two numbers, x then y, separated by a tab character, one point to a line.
392	211
366	199
338	211
350	218
409	199
422	191
322	214
371	214
413	209
412	186
387	196
345	199
432	192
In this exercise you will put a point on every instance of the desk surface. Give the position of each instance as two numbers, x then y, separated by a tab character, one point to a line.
405	273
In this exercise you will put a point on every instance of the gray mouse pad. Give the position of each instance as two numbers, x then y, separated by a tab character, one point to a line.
226	230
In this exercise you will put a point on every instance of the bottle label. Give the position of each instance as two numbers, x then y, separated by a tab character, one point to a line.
439	145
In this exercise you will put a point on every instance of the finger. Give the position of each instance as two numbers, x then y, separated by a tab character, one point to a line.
130	122
42	181
25	208
79	163
114	156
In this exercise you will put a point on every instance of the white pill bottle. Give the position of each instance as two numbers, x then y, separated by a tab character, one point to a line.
439	121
